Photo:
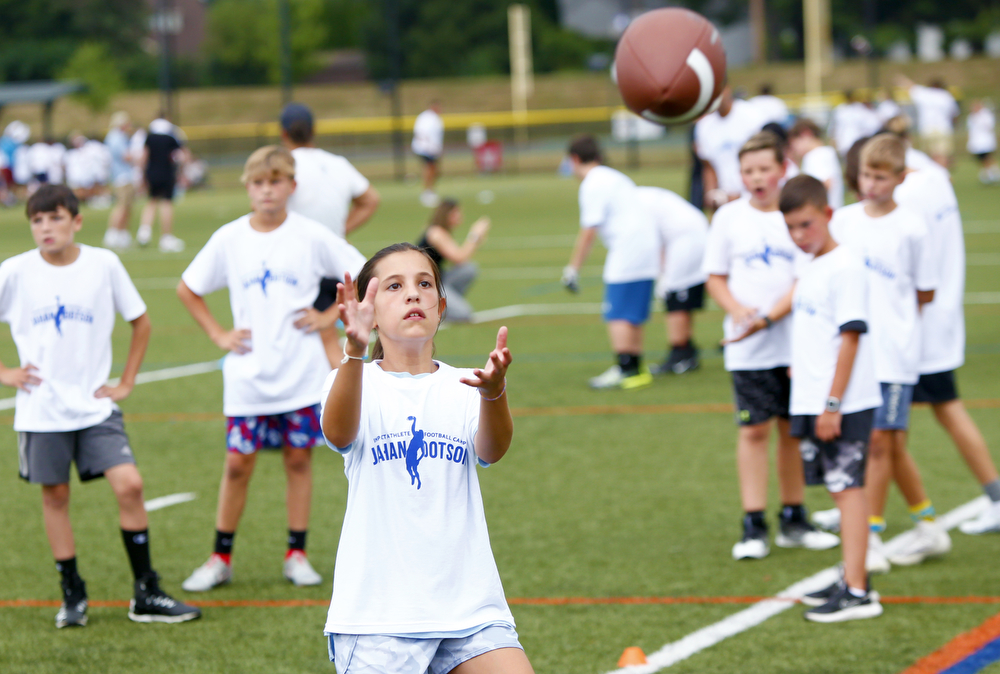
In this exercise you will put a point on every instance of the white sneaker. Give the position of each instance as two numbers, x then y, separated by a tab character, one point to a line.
988	521
610	378
828	520
110	238
212	573
300	571
875	560
429	199
144	235
928	539
804	535
170	244
751	548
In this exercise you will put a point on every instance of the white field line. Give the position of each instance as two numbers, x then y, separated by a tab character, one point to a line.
515	310
154	375
748	618
166	501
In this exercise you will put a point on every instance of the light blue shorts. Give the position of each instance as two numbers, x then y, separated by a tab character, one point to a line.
627	301
894	414
379	654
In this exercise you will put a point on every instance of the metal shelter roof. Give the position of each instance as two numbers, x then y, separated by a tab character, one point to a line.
37	92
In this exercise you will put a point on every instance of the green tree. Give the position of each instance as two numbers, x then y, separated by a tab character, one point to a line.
243	40
92	64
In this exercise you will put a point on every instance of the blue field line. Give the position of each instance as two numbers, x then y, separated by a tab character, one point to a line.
978	661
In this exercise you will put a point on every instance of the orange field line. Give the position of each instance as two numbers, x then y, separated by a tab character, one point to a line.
957	649
518	601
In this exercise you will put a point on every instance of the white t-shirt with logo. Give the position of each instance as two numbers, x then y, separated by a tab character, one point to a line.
895	248
609	201
936	108
683	231
428	134
982	132
414	554
755	251
61	319
271	277
325	186
942	321
831	292
822	163
719	139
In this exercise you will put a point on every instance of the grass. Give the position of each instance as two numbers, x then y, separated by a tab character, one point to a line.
601	505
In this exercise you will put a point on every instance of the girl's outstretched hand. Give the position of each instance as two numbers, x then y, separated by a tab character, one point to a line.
491	380
358	317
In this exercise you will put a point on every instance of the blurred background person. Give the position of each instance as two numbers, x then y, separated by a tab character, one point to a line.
718	138
428	144
937	111
770	107
121	179
163	152
454	259
851	120
981	124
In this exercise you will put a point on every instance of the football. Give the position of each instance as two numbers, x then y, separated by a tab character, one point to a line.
670	66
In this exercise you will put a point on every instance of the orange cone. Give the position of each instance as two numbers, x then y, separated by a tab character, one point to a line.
632	655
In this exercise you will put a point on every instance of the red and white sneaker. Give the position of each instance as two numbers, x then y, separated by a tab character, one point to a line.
211	574
299	571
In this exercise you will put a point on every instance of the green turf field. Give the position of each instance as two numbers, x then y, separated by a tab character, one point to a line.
587	503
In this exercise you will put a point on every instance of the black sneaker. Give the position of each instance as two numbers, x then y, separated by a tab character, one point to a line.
841	605
754	544
73	612
821	597
801	534
678	361
153	605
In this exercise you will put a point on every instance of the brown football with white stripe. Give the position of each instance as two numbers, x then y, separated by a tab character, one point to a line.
670	66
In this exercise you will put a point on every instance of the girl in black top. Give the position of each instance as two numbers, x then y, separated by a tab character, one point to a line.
458	272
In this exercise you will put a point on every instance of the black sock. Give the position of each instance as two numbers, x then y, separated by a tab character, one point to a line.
296	540
793	513
67	570
754	519
224	542
137	547
629	363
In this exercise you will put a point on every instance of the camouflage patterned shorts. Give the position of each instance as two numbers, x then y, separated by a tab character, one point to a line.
378	654
839	464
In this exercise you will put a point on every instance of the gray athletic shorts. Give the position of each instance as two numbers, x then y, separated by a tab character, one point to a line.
379	653
45	458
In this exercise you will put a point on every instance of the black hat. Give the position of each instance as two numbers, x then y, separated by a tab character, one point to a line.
296	112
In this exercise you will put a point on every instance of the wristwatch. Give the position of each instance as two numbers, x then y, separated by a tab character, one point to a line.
768	322
833	405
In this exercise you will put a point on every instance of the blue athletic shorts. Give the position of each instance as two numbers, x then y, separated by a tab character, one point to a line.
627	301
380	653
894	414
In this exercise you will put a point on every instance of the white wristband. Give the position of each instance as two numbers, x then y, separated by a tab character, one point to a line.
348	357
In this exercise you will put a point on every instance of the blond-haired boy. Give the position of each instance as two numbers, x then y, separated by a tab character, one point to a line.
892	241
272	261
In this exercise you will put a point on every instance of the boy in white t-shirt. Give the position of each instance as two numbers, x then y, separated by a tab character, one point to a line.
718	138
834	390
937	112
272	261
982	142
330	191
750	262
60	301
893	243
817	159
683	231
609	205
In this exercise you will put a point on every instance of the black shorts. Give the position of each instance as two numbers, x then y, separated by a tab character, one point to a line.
936	388
686	300
327	293
983	156
428	159
761	395
162	189
839	464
